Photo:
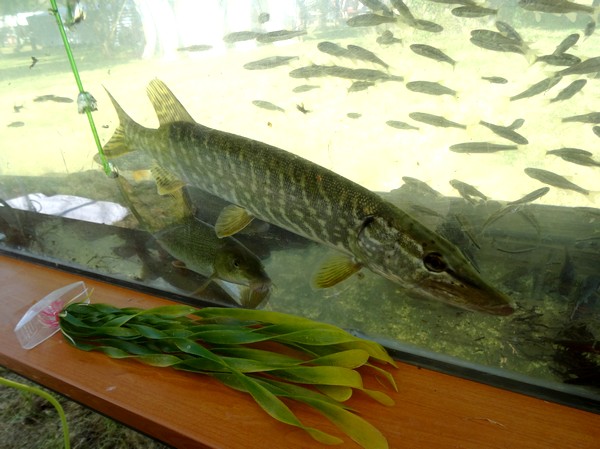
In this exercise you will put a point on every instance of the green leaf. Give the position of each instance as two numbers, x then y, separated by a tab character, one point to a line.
335	392
385	374
117	321
374	349
193	348
379	396
273	406
161	360
204	366
259	355
148	331
296	392
361	431
175	311
316	337
321	375
352	358
263	316
231	337
121	332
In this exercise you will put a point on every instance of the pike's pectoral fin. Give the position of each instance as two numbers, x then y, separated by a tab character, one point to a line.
167	106
334	270
232	220
166	182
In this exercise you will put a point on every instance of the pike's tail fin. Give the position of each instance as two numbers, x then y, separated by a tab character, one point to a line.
118	145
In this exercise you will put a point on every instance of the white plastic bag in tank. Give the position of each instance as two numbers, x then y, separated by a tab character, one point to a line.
70	206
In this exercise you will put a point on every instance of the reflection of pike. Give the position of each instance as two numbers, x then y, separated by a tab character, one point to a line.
284	189
194	244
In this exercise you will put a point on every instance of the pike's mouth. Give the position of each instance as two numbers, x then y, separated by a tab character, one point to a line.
479	298
256	294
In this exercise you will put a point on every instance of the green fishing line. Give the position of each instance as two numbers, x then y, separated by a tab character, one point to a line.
88	111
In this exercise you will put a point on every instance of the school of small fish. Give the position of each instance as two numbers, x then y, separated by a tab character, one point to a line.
568	73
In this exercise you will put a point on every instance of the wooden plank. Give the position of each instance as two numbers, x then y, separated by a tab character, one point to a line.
432	410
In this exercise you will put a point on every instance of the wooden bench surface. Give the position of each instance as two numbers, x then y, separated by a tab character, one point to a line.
186	410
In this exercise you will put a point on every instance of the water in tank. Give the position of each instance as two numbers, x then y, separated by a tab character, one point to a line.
425	173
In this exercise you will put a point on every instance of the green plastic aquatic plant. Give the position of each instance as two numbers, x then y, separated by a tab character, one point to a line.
85	102
49	398
269	355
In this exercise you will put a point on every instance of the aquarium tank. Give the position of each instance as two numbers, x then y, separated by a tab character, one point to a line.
423	173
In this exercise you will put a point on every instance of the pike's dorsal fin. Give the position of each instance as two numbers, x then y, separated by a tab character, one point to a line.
231	220
334	270
167	106
166	182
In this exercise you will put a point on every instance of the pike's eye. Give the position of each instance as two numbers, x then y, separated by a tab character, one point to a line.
434	262
235	263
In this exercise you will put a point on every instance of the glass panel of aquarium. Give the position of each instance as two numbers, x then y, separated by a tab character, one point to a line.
422	173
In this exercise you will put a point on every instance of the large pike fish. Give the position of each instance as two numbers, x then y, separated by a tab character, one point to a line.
266	182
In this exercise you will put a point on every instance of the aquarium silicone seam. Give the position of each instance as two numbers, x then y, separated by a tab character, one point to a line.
88	112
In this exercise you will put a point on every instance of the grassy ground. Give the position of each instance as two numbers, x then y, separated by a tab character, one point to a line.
28	421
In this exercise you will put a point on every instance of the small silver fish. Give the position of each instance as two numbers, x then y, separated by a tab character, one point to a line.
435	120
531	196
553	179
387	38
517	206
430	88
566	43
267	105
279	35
199	47
432	53
592	117
563	59
505	132
495	79
263	17
467	191
508	31
590	65
358	86
589	29
239	36
367	20
333	49
569	91
377	7
426	25
575	156
304	88
365	55
421	186
555	6
480	147
473	11
537	88
400	125
269	63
